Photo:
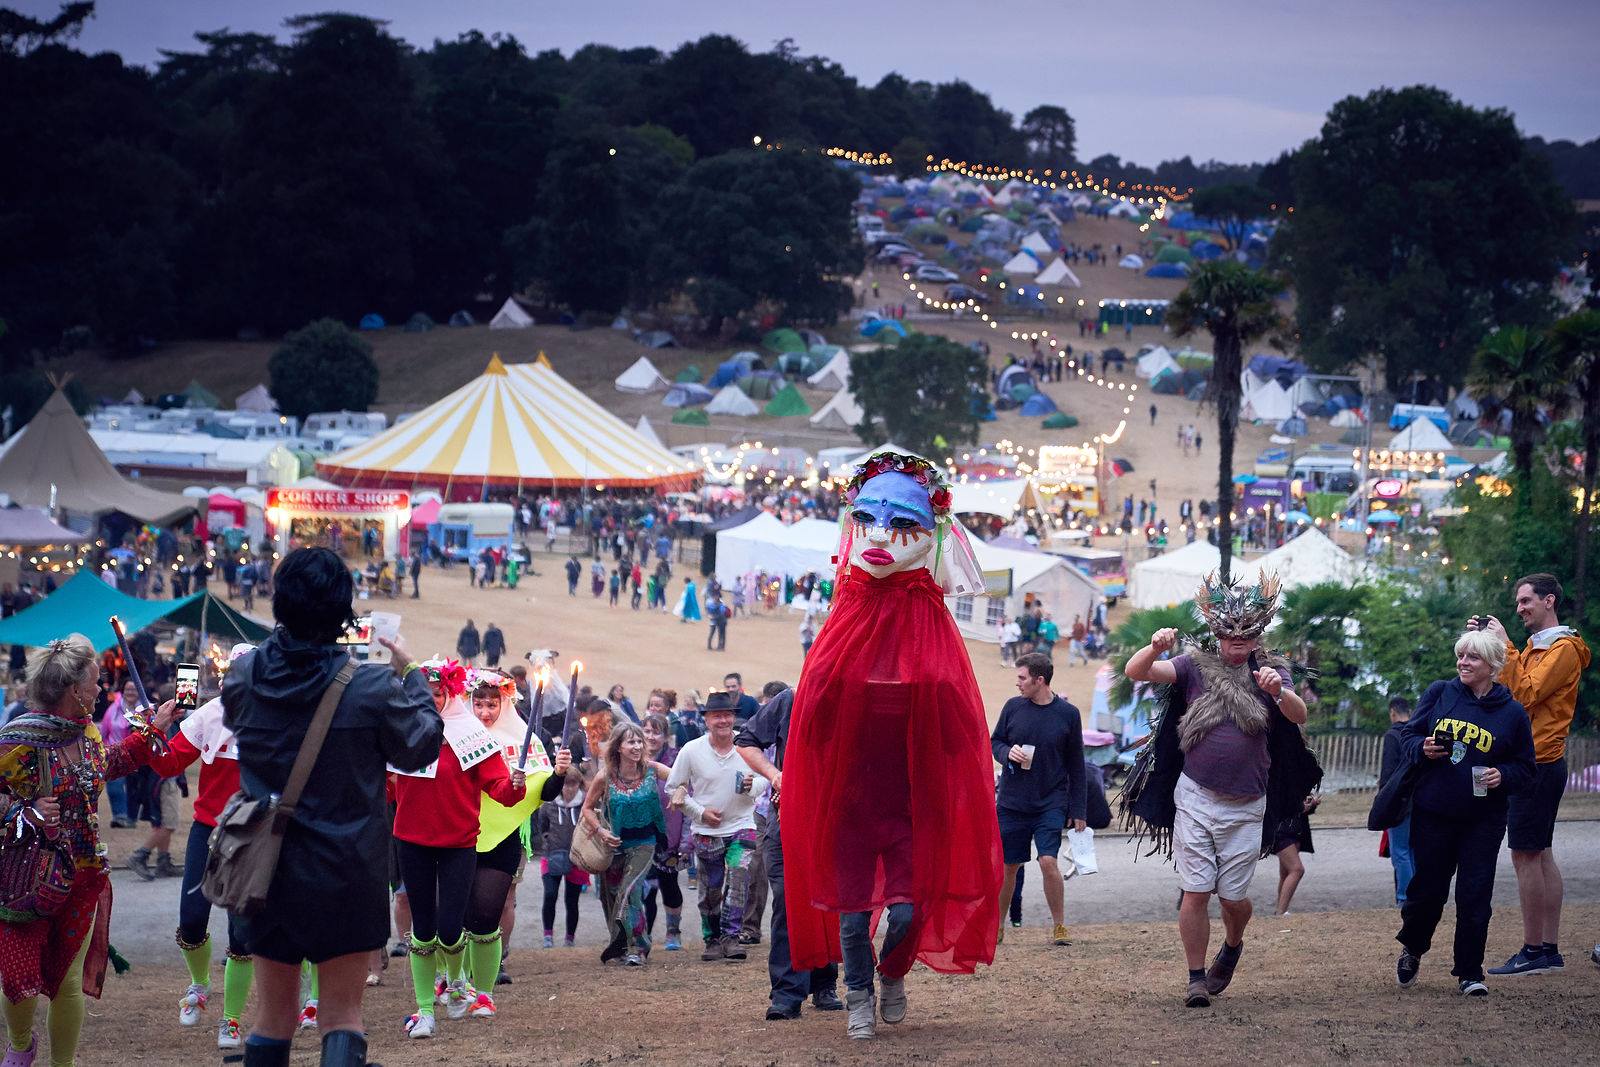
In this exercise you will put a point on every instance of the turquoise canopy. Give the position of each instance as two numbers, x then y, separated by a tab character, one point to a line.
85	605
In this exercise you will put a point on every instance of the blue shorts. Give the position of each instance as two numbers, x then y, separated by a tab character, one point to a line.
1018	830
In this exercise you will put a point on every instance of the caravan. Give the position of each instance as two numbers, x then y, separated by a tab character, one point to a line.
462	531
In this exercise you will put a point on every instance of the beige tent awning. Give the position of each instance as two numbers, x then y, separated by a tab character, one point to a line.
55	450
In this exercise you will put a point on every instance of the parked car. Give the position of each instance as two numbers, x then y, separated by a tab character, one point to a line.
932	273
892	253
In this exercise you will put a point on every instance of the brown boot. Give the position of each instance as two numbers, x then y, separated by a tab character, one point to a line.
732	950
714	949
1197	997
1220	973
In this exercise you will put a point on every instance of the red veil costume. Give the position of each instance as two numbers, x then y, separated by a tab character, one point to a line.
888	784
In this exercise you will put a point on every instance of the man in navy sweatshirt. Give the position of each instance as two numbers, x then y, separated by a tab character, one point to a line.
1038	742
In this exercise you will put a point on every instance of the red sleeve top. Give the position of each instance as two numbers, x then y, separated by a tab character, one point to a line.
219	779
442	811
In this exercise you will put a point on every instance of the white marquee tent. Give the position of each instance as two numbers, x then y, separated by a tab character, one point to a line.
1172	577
1064	590
1308	559
642	377
1001	496
766	544
1421	436
510	317
731	400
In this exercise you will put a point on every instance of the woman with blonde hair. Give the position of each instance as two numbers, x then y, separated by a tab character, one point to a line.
1470	747
626	785
53	764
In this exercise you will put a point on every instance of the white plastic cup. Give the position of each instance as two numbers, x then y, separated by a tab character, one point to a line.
1027	757
1480	787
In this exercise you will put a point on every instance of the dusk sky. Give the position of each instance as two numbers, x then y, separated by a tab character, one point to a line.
1236	80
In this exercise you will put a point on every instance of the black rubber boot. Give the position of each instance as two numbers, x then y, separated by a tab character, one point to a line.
266	1055
344	1048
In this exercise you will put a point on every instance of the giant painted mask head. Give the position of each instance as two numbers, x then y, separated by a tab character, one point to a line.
894	528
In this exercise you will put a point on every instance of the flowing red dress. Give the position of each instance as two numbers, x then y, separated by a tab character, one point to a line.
888	782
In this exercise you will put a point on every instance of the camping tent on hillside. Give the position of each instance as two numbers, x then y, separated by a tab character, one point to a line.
1154	362
1131	262
1022	263
730	400
1173	577
687	394
1036	244
511	427
642	377
510	317
1058	273
834	374
198	396
648	432
1347	419
1420	436
256	398
53	461
841	412
783	340
787	401
1269	403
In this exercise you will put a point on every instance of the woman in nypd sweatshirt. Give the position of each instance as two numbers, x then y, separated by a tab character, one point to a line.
1462	723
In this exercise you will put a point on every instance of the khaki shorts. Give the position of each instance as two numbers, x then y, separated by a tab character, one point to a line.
1216	840
167	797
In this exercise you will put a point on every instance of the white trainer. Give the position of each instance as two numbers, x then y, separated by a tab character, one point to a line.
892	1000
420	1026
229	1035
461	998
192	1004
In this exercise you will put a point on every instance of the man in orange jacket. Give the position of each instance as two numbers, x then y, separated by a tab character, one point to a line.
1543	676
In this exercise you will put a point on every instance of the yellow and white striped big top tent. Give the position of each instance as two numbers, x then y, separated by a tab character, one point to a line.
518	426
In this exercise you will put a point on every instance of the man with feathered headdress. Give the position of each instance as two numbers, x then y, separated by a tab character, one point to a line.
1224	765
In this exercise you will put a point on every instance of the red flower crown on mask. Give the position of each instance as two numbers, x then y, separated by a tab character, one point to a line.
926	473
450	674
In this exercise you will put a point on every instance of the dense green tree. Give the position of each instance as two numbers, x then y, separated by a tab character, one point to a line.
748	228
323	366
1234	304
1518	370
1576	340
1419	224
1233	208
1052	136
919	393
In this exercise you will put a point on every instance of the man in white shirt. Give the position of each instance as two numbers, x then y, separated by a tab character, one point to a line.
722	811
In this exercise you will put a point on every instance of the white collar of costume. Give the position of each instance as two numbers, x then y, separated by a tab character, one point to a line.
204	730
509	730
465	734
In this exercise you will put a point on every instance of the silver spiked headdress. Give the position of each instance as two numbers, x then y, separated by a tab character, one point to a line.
1240	610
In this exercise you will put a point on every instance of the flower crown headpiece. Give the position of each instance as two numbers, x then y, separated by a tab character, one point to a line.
447	672
482	678
925	472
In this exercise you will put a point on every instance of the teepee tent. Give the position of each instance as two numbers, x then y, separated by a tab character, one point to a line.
1037	244
1269	403
510	317
53	462
642	377
1154	362
731	400
1022	263
515	426
1421	436
840	413
1058	273
256	398
834	374
648	432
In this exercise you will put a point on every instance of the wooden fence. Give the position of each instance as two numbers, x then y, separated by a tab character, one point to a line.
1350	762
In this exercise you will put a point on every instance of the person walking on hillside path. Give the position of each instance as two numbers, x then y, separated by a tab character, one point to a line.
494	645
574	572
468	644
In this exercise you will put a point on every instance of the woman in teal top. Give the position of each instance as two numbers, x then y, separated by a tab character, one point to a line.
626	785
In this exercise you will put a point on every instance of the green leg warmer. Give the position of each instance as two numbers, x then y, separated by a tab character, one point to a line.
455	958
237	974
422	964
486	952
308	974
197	958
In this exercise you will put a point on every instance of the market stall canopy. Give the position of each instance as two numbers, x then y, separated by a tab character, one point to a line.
55	450
519	426
32	528
85	605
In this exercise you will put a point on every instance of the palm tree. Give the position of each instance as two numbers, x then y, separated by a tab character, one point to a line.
1524	371
1235	305
1576	340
